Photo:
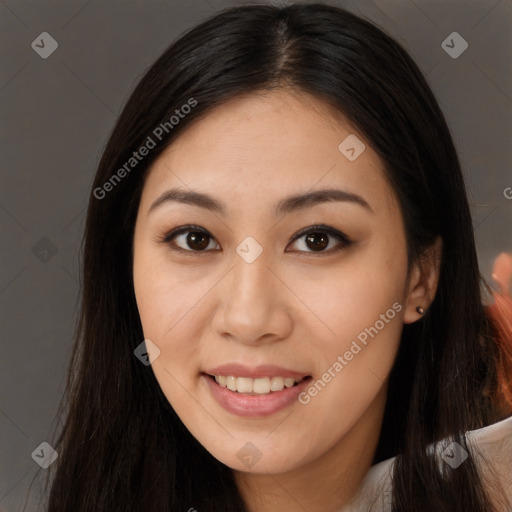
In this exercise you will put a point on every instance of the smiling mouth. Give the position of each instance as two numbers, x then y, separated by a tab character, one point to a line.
260	386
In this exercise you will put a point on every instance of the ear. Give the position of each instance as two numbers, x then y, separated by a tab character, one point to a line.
423	281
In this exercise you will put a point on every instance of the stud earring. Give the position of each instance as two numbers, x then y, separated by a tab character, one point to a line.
420	310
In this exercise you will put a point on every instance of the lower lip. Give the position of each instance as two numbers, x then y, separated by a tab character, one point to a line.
255	405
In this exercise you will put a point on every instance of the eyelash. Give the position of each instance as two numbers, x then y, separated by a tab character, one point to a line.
318	228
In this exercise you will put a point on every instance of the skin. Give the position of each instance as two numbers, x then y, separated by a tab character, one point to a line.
502	272
293	306
501	310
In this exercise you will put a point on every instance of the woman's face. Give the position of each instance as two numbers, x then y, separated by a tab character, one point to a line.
251	293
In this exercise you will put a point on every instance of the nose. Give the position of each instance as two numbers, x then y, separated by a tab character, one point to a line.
252	304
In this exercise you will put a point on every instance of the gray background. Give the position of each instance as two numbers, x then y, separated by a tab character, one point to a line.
56	114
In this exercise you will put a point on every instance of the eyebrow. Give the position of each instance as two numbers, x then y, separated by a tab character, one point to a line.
287	205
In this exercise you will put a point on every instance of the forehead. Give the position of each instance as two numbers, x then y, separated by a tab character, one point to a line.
257	146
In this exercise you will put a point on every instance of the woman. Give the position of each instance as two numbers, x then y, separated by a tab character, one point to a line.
281	290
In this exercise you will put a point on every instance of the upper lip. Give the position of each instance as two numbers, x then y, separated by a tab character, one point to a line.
256	372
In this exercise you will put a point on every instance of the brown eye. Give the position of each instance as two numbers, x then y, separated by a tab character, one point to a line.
317	241
190	239
197	240
314	239
321	239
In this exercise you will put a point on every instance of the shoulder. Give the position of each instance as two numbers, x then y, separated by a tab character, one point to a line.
491	447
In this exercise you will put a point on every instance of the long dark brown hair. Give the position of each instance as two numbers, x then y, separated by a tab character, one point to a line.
121	446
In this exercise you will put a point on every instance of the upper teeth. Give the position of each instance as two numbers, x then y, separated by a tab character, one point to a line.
259	386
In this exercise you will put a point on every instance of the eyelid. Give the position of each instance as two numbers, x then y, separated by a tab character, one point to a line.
182	229
323	228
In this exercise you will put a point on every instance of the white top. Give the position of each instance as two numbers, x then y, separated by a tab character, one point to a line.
492	443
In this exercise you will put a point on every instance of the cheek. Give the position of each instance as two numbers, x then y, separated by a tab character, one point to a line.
167	303
166	309
353	372
362	309
160	296
355	295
